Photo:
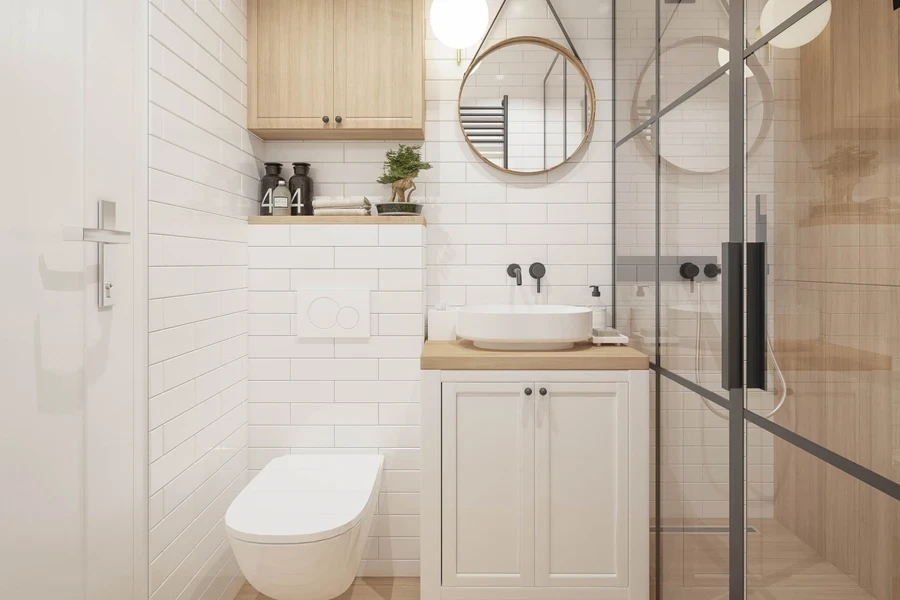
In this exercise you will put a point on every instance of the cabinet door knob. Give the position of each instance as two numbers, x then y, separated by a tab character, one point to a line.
325	119
338	119
543	391
528	391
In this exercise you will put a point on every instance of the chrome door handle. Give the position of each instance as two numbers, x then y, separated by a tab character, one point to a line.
106	213
102	236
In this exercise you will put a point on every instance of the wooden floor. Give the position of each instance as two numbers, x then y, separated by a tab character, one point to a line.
779	567
364	588
695	567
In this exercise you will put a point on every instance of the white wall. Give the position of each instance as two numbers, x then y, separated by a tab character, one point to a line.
480	219
203	180
343	395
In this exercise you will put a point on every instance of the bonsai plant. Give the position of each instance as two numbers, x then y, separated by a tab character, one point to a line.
401	167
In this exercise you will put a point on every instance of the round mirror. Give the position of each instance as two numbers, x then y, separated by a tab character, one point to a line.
526	105
706	152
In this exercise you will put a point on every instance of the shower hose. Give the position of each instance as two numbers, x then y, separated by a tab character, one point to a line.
715	411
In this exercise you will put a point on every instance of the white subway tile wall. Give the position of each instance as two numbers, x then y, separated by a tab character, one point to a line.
306	396
203	180
481	219
343	395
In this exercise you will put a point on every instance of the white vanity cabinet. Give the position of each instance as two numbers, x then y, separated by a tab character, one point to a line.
535	485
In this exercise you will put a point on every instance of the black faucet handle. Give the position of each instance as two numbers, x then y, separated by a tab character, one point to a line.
537	271
515	271
712	270
689	270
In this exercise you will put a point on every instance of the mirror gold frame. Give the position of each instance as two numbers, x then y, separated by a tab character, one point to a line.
568	55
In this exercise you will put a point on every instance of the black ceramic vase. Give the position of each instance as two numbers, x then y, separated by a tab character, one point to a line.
267	185
301	186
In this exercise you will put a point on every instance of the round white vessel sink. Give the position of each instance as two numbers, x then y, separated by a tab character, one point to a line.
509	327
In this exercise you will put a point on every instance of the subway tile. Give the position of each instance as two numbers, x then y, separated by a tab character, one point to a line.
401	235
293	257
292	391
404	280
335	369
289	347
547	234
381	257
270	235
333	235
397	302
413	324
376	436
336	278
376	391
380	347
334	414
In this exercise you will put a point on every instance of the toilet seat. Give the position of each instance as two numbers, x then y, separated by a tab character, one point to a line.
305	498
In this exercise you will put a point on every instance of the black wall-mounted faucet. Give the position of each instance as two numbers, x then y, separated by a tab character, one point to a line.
515	271
689	270
537	271
712	270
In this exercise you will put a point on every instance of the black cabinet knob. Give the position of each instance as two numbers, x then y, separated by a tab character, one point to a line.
325	119
543	391
527	391
338	119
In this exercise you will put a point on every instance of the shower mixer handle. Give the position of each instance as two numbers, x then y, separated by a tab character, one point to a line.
689	271
712	270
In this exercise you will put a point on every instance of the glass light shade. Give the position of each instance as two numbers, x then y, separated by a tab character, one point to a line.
775	12
459	23
725	56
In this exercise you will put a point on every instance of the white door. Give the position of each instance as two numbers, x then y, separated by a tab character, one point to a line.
581	484
488	484
68	450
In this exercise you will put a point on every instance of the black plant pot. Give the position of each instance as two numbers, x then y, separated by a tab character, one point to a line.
399	208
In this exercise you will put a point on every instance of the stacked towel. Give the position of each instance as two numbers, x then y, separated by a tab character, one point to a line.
347	207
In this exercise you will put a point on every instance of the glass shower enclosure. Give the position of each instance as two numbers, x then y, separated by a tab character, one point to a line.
757	225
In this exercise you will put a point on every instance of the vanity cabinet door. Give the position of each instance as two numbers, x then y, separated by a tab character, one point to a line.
487	484
581	484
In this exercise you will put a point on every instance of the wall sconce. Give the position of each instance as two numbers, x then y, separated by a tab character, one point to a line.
459	23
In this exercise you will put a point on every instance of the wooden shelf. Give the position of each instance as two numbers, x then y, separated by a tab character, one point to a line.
464	356
314	220
819	355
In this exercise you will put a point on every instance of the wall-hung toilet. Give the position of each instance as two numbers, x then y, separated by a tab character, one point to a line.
299	527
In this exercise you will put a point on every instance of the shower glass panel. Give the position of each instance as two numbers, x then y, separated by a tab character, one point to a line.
693	44
786	484
693	215
635	46
816	532
824	193
635	213
823	197
693	496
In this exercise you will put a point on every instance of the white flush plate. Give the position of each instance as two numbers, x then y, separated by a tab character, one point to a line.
330	313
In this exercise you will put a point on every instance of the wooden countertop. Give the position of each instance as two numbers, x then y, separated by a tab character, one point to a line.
314	220
463	356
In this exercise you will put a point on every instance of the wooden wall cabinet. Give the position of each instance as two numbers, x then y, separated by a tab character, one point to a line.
336	69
